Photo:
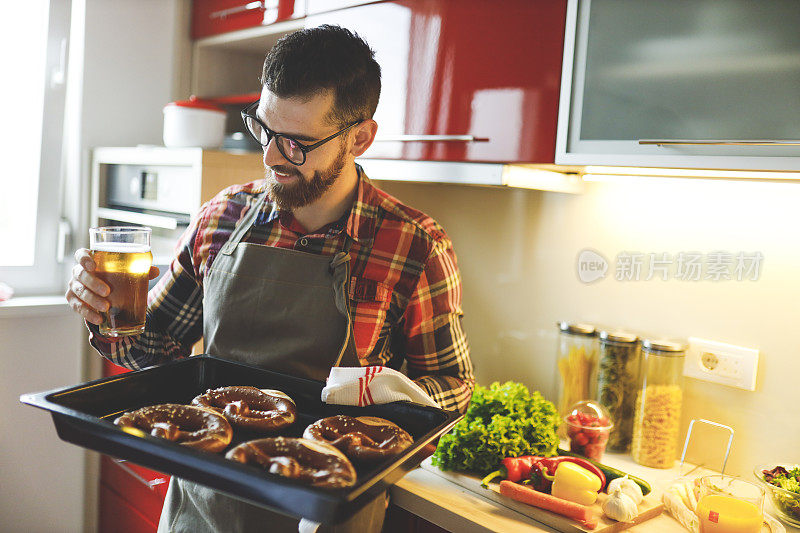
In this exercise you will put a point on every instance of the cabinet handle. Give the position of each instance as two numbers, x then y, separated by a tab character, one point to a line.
430	138
239	9
719	142
150	484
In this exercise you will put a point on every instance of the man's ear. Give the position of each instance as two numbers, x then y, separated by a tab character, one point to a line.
364	135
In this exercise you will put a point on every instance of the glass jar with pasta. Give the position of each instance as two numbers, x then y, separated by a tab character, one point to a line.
657	417
576	365
618	383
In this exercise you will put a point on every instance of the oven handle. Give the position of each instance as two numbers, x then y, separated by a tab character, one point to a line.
133	217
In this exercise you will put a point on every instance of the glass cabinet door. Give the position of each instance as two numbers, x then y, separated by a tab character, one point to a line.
696	72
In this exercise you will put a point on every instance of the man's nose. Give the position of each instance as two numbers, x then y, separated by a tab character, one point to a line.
273	156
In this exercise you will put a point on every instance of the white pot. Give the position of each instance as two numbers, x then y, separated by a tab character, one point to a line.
193	123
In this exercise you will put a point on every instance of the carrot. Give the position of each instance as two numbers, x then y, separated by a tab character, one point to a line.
575	511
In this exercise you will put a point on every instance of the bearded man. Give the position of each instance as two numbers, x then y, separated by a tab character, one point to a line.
310	268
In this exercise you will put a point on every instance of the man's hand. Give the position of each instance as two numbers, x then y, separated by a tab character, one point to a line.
86	293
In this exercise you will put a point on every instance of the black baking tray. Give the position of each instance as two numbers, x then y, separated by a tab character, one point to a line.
84	415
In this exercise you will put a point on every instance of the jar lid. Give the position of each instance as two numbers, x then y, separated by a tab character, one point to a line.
618	336
577	329
672	347
589	414
196	103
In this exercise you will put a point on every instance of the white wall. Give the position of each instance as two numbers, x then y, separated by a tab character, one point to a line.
129	70
127	52
42	487
517	251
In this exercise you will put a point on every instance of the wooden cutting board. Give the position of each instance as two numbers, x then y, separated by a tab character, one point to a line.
649	508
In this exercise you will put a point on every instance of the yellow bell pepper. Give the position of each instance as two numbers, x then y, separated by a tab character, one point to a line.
575	483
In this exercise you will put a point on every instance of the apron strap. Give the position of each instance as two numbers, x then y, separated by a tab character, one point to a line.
243	226
340	269
344	256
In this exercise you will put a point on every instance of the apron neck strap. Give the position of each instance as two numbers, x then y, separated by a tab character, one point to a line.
244	225
249	219
342	256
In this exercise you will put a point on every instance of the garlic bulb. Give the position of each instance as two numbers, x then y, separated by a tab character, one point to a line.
629	487
619	506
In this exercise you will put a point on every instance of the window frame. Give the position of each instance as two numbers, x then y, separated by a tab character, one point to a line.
47	274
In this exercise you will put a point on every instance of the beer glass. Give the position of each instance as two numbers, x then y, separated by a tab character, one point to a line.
729	505
122	258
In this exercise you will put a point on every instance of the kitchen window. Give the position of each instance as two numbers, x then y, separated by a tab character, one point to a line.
33	40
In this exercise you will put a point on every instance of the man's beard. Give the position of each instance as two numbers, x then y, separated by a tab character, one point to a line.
303	192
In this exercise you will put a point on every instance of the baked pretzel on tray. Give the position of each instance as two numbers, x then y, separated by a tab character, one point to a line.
194	427
315	463
365	439
262	410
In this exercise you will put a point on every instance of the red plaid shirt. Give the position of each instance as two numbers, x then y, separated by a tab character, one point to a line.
405	291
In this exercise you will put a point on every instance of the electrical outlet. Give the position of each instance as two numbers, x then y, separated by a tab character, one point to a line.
718	362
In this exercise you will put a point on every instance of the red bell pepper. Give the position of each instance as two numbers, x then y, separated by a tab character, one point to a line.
540	470
513	469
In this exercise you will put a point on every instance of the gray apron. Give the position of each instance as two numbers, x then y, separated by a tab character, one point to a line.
283	310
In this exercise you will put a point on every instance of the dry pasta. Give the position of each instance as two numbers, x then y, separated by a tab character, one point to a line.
576	377
656	425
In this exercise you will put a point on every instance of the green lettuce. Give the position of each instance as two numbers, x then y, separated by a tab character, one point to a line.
501	421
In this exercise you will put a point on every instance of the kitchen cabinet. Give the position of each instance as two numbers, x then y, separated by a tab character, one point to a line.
703	84
213	17
398	520
463	81
321	6
131	496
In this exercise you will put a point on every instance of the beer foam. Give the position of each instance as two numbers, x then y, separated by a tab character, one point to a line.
120	247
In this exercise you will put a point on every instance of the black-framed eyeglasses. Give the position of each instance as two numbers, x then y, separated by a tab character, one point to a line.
293	150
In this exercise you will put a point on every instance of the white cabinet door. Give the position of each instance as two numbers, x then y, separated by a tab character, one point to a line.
682	84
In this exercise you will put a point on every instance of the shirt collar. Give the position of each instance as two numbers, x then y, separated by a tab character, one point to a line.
359	223
362	219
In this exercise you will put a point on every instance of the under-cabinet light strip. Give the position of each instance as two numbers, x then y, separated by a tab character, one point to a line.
597	173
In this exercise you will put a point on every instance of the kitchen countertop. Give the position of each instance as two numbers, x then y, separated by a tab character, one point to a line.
455	508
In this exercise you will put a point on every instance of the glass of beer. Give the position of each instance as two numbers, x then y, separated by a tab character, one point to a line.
122	258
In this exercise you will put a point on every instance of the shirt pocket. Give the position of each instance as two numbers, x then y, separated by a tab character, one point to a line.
369	303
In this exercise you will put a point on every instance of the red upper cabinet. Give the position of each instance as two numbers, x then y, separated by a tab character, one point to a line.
464	80
212	17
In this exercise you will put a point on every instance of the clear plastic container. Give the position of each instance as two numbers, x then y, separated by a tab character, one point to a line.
576	364
588	426
618	384
657	418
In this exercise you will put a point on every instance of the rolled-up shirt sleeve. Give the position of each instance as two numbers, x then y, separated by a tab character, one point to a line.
437	352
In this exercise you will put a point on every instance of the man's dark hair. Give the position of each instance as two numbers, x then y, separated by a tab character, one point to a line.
326	58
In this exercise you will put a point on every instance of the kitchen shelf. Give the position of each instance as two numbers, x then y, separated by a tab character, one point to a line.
251	39
230	63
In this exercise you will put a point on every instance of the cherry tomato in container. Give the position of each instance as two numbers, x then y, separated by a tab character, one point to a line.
588	427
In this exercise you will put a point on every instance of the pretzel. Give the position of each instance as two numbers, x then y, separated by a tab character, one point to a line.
366	439
194	427
262	410
315	463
